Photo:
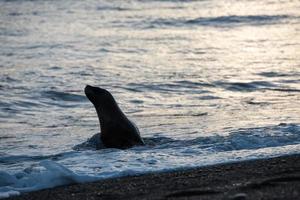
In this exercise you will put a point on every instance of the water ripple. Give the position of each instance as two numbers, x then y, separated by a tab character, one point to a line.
252	86
176	86
223	21
272	74
239	20
112	8
245	86
64	96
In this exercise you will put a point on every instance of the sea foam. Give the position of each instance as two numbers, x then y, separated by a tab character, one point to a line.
50	175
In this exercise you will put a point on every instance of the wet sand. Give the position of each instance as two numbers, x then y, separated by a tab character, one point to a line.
275	178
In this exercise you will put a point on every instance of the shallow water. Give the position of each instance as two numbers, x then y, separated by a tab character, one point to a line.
205	81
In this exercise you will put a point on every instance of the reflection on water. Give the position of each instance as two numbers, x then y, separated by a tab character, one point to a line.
181	70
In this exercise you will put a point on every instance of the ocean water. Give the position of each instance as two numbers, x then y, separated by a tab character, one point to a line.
206	82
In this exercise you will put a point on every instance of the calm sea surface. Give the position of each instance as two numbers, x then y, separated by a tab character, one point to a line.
206	82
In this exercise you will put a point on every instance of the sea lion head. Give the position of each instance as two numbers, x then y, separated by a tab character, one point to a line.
101	99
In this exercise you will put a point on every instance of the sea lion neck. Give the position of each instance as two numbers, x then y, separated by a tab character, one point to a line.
107	115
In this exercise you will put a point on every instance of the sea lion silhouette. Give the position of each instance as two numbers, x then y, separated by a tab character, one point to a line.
117	131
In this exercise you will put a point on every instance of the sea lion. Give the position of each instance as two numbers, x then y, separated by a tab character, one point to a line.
117	131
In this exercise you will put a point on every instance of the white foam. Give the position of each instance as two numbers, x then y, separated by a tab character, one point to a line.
52	175
9	193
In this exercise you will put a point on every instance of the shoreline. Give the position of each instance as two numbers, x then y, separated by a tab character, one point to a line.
272	178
